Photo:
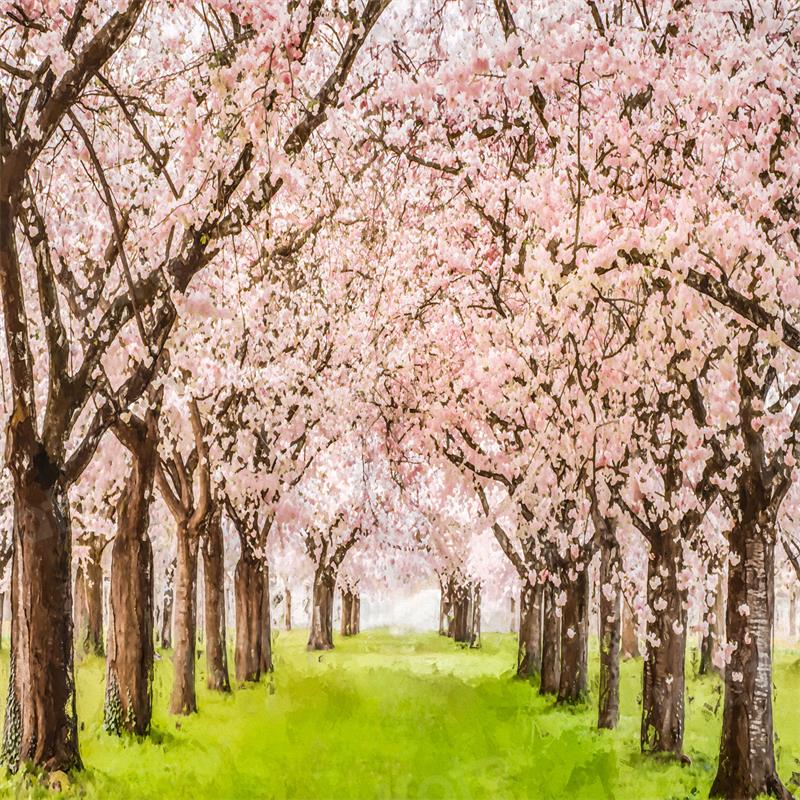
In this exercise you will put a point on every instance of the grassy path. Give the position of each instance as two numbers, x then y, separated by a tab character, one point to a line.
399	717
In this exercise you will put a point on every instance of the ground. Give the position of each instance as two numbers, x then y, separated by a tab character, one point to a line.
405	717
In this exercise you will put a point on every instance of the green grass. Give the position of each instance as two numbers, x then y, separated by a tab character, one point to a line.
409	716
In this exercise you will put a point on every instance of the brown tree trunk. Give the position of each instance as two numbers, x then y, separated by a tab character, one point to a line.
665	648
551	643
184	699
287	610
249	587
529	649
747	755
475	616
573	680
129	665
630	641
166	608
266	622
40	721
610	635
512	602
793	593
356	622
217	677
89	601
713	617
321	633
348	599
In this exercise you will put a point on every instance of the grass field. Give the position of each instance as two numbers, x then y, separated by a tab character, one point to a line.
405	716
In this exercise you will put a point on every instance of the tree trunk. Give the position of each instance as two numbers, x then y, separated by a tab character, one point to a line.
347	613
793	593
41	721
529	649
714	631
665	648
475	616
287	610
217	677
249	587
747	755
166	610
573	680
445	607
129	665
184	699
630	641
266	622
512	602
551	643
321	634
2	615
610	635
89	602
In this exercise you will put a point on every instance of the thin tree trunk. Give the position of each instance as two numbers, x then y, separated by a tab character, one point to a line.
2	615
287	610
166	609
321	633
445	607
665	648
551	643
41	722
793	594
356	621
249	587
714	631
529	650
610	634
184	698
747	754
573	680
630	641
475	616
89	601
217	677
512	602
266	622
129	665
347	613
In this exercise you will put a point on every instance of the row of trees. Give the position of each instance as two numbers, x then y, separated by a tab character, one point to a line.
405	276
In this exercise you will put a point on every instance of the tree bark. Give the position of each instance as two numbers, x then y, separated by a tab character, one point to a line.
665	648
446	606
217	677
551	643
747	753
287	610
793	593
714	631
610	635
249	587
630	641
166	610
573	680
89	601
529	649
184	698
266	621
351	613
321	633
129	665
40	722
